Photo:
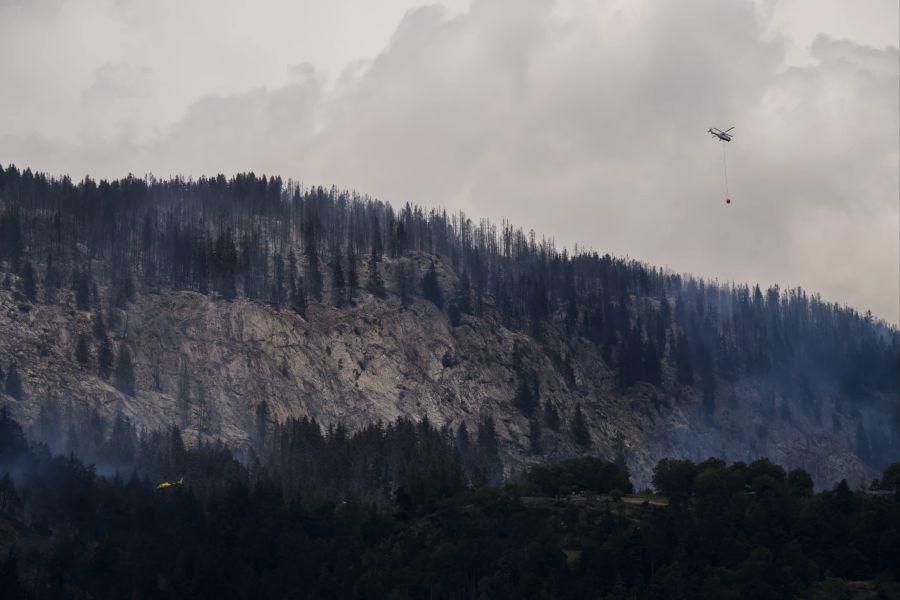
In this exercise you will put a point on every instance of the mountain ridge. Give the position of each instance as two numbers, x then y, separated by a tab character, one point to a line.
217	289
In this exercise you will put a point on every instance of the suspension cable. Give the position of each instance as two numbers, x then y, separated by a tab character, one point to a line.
725	165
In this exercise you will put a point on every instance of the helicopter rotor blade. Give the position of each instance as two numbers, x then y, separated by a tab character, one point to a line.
729	129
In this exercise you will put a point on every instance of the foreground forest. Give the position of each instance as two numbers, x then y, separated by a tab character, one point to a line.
566	530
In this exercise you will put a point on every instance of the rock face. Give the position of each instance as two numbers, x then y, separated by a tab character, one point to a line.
207	364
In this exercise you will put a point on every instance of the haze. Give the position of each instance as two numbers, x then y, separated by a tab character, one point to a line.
585	121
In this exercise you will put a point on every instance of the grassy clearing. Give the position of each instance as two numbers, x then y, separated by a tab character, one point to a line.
592	501
640	499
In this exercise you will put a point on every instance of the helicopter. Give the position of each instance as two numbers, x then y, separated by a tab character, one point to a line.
167	484
722	135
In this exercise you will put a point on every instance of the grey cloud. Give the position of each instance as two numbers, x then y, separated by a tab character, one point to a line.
881	61
119	80
32	8
589	128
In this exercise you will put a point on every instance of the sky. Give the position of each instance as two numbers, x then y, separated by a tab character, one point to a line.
583	120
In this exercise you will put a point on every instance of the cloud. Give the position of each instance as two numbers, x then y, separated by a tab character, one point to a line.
585	121
31	8
119	80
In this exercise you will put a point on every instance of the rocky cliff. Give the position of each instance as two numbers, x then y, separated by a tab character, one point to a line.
207	364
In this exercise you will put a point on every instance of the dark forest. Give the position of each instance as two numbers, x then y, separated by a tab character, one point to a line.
566	530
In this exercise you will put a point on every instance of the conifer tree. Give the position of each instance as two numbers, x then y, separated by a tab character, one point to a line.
453	313
375	284
184	395
631	358
262	424
201	266
580	432
461	303
708	383
338	284
572	313
81	289
248	269
83	351
48	424
462	439
99	327
122	441
352	276
277	296
489	450
298	297
551	416
404	284
431	289
125	371
203	411
313	274
95	291
51	281
488	444
29	287
225	261
14	383
292	271
534	437
464	295
12	243
105	358
684	369
525	399
123	290
651	363
863	447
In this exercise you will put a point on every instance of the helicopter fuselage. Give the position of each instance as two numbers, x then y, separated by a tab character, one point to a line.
722	135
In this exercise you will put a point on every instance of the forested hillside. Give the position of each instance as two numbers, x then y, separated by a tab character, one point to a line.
600	355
